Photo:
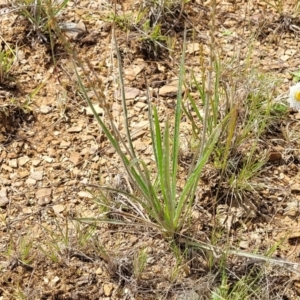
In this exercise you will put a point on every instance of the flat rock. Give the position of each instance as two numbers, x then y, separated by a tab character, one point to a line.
13	163
75	129
58	208
75	157
23	174
130	93
131	72
108	288
44	192
64	144
72	30
44	196
30	181
45	109
3	201
48	159
85	194
193	48
4	181
168	91
27	210
295	187
37	175
23	160
99	110
3	197
36	162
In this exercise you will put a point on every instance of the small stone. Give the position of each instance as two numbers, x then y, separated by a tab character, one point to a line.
295	187
131	72
97	108
168	91
274	156
13	163
64	144
75	129
72	30
130	93
3	192
284	57
23	160
94	166
48	159
44	201
30	181
37	175
85	194
58	208
3	201
99	271
85	138
3	197
45	109
44	192
13	175
291	52
27	210
4	181
108	288
193	48
244	244
55	280
36	162
23	174
75	157
52	152
7	168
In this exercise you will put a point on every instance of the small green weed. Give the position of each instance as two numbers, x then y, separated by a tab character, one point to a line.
296	75
139	263
41	15
7	58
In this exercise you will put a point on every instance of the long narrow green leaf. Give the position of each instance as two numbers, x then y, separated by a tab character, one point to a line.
157	142
152	199
166	178
194	178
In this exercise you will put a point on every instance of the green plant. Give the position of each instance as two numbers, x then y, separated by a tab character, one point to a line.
25	248
7	58
41	14
19	294
296	75
139	263
276	4
124	21
156	196
152	40
56	247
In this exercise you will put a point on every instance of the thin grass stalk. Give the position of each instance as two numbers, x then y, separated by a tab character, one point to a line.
209	77
126	124
178	113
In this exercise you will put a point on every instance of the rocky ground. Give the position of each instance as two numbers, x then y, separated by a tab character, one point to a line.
51	147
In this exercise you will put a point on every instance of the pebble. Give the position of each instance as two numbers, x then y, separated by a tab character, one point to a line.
37	175
23	160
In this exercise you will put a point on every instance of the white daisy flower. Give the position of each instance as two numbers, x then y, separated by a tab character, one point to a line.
294	96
